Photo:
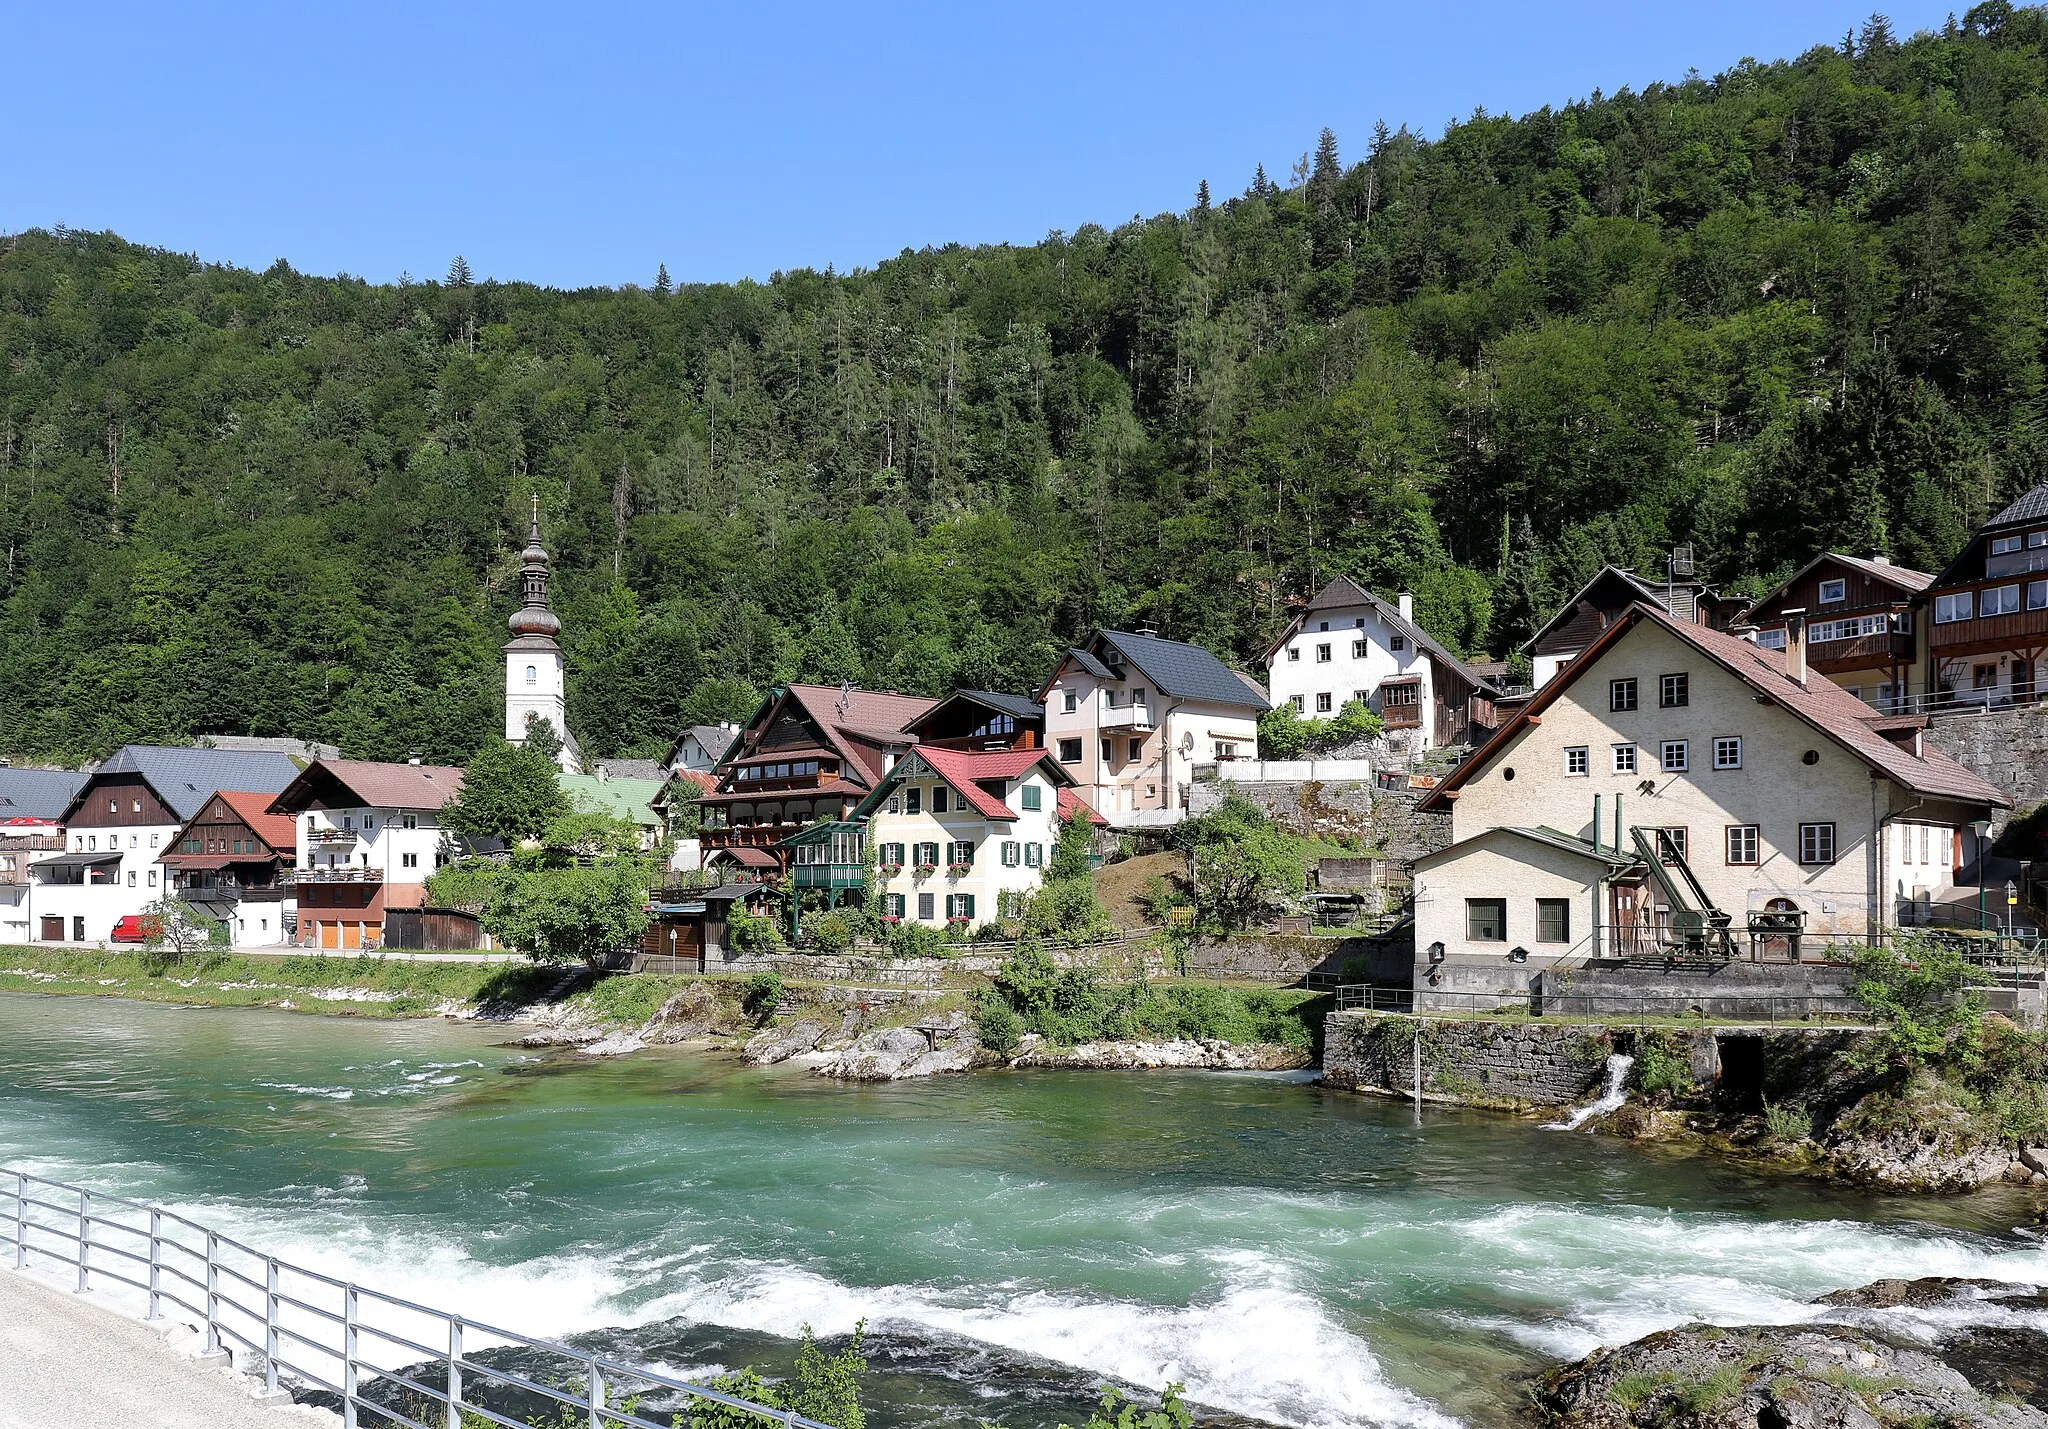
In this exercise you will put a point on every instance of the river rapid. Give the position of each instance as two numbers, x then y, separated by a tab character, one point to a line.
1295	1256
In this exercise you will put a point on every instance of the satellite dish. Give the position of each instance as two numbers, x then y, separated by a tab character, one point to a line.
1187	742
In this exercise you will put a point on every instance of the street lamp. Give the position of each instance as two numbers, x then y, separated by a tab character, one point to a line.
2012	903
1980	827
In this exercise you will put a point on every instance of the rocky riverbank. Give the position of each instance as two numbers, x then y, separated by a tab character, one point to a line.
1946	1353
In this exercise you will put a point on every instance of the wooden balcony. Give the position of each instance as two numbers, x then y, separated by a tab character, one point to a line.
1865	652
2023	630
1401	716
752	836
340	875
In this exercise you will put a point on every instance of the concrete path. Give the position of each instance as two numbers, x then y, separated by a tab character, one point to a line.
73	1362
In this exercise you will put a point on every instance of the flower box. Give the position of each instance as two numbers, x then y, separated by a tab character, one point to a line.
890	870
891	918
926	870
959	870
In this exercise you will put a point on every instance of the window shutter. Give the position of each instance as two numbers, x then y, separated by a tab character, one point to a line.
967	906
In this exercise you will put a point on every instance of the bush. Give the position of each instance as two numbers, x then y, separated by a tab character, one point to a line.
1066	909
823	1388
997	1024
1787	1123
832	932
762	996
749	933
916	940
1662	1068
1116	1412
1923	993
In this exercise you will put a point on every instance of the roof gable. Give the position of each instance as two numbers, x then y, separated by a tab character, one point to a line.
184	778
963	771
1344	593
1184	671
363	783
1901	578
1821	704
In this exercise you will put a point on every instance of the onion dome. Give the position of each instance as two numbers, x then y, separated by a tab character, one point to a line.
533	617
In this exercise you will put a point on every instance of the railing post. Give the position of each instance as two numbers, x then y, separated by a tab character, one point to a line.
20	1220
84	1239
212	1294
596	1395
156	1241
454	1373
348	1357
270	1326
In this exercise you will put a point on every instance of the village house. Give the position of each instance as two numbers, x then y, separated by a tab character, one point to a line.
808	753
122	820
31	802
980	720
700	747
1679	789
1603	599
1858	616
1987	613
1348	644
369	835
1128	716
233	861
959	837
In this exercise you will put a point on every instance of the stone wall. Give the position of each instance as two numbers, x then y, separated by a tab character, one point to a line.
2007	747
1118	960
1331	809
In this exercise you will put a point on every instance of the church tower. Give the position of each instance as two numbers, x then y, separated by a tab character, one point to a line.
535	682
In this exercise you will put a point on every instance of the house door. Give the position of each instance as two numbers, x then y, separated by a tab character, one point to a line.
1624	918
351	935
1780	939
53	928
78	930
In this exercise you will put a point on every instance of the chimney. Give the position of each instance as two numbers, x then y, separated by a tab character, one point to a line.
1407	607
1795	645
414	758
1878	559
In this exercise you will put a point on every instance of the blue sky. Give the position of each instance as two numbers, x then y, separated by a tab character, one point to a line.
578	144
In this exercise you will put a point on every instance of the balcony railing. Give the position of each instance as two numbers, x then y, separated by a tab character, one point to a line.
749	836
1128	717
340	875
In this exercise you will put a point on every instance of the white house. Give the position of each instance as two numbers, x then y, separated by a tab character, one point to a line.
953	832
1347	644
536	679
369	836
121	821
31	802
700	747
1674	779
1128	717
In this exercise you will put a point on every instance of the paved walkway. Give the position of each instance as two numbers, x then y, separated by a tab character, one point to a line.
73	1362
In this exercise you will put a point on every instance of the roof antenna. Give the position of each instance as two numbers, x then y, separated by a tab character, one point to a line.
845	696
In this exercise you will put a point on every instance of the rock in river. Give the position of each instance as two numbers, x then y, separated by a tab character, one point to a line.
779	1044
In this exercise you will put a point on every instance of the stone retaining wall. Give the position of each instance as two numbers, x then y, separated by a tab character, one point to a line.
1117	959
2007	747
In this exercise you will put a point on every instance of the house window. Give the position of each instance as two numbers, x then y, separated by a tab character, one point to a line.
1362	696
408	860
1816	843
1486	920
152	878
1013	853
1951	608
893	853
1359	648
410	821
1833	591
1323	702
1397	643
531	675
1576	760
927	906
1322	654
152	840
1322	626
939	799
928	855
895	804
1070	700
1621	695
1106	755
1034	855
135	805
1070	751
1030	795
2036	540
1674	691
962	906
1553	920
1671	845
1999	600
113	806
913	799
1983	677
2000	546
131	878
2037	595
1742	843
1137	749
1674	755
892	904
1853	628
1293	653
1300	703
1771	639
960	851
1624	759
1728	752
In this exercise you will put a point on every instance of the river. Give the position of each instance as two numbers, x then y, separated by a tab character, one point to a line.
1296	1256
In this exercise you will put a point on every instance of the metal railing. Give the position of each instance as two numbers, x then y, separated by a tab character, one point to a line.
357	1338
1804	1008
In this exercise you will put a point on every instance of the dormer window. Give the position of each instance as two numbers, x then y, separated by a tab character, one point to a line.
1397	643
1834	591
1321	626
1070	700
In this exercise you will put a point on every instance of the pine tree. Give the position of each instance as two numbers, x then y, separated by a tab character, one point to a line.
1325	172
1260	183
1202	199
458	272
662	285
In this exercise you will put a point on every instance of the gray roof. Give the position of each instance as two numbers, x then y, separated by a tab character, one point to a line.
38	793
2031	507
1187	672
715	740
1022	706
1345	592
186	778
1089	663
631	768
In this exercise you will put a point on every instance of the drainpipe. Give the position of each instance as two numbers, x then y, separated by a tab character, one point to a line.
1599	883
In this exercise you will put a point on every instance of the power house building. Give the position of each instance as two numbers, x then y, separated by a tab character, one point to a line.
1677	788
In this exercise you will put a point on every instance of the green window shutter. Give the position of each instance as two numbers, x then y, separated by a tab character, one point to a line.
1031	797
967	906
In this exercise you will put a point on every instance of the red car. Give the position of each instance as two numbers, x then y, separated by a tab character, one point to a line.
133	929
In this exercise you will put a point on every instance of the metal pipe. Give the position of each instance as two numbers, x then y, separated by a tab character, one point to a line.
212	1293
349	1311
156	1239
270	1326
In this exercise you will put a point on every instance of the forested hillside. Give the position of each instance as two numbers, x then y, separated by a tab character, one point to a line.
1795	306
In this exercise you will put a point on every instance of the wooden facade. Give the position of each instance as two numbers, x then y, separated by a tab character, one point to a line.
119	801
1833	591
231	850
1986	616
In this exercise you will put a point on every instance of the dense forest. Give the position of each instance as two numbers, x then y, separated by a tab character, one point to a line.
1796	306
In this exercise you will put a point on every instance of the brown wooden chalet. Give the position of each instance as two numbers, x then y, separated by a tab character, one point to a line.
809	752
1987	613
1858	616
1602	600
980	720
233	849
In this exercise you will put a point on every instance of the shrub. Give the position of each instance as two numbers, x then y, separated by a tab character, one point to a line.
1662	1068
1116	1412
750	933
761	996
916	940
820	1387
1923	993
832	933
1787	1123
1066	909
997	1024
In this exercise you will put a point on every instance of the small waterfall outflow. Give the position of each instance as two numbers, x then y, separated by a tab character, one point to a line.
1611	1096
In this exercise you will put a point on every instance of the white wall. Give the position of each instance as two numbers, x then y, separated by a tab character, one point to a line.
545	694
1293	672
989	878
139	880
382	841
1166	763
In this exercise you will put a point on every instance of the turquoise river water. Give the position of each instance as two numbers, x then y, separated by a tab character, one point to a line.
1296	1256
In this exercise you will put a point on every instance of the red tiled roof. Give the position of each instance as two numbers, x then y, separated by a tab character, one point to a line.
370	784
1070	801
277	830
868	714
961	769
746	856
1819	703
